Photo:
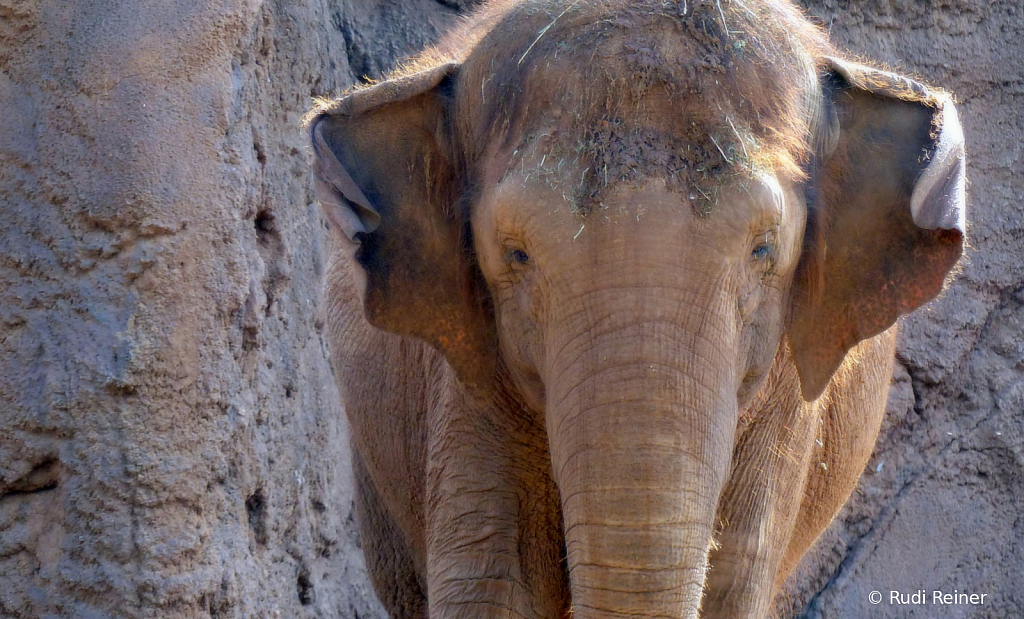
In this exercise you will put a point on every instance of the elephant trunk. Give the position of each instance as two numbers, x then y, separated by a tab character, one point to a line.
641	444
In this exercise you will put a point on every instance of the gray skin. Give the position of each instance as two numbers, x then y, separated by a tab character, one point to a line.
634	403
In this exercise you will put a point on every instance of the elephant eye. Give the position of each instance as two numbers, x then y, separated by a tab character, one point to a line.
518	256
764	251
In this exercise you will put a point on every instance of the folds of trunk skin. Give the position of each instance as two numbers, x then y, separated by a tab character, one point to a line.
640	422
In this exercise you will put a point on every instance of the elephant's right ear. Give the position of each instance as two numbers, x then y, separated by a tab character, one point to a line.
386	177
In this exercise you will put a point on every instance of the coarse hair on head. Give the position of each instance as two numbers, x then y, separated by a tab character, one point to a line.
738	80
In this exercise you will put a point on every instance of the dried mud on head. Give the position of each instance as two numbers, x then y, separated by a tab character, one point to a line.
697	94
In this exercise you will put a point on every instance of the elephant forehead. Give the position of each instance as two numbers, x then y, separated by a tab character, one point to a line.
638	86
583	165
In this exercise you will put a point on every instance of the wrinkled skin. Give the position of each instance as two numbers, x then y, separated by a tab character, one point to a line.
635	394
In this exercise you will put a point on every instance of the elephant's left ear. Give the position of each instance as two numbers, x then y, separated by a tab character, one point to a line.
889	220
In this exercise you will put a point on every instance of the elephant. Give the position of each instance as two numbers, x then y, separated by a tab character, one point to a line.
612	300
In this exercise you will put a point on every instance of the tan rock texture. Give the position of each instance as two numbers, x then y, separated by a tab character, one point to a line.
171	442
171	439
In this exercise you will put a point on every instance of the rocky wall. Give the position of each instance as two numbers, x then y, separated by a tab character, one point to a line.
171	439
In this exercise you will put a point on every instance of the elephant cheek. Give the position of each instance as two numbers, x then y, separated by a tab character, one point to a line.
520	337
760	342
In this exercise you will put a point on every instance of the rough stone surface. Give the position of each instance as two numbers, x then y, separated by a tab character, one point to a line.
171	439
171	443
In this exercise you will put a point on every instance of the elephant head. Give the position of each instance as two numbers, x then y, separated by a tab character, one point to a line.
621	215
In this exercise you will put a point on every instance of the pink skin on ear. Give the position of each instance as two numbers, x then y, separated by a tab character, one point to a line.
343	202
940	194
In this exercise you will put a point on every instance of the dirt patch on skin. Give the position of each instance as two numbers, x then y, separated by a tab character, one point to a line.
612	153
684	162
